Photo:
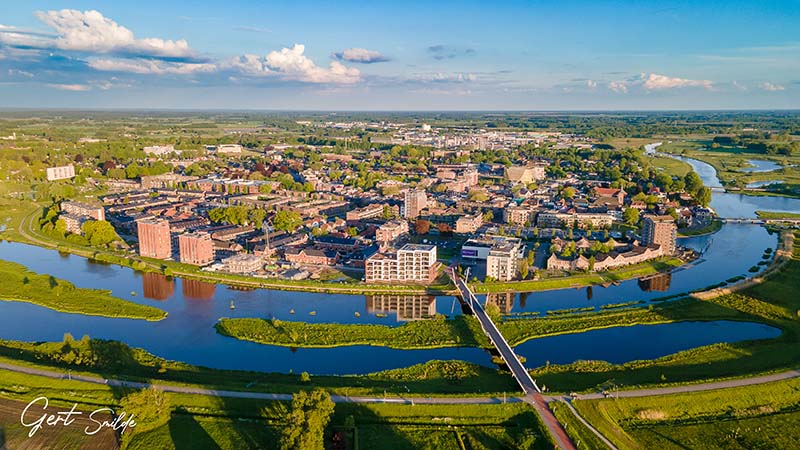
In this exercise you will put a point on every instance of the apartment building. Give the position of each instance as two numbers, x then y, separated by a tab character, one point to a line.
60	173
196	248
154	238
415	201
412	262
660	230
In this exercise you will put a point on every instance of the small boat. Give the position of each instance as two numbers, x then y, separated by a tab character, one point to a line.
232	305
291	311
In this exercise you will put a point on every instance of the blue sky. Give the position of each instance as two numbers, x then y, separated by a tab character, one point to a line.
400	55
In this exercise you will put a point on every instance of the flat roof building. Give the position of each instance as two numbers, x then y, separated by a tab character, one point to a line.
60	173
196	248
660	230
154	238
413	262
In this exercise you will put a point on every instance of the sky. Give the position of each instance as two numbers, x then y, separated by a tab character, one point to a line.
393	55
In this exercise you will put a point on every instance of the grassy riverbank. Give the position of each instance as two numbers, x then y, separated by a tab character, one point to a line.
20	284
464	331
711	228
761	416
777	215
581	279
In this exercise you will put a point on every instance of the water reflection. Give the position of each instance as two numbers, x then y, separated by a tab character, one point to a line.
197	290
405	307
156	286
504	301
659	282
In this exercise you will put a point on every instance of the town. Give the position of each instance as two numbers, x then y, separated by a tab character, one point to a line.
309	212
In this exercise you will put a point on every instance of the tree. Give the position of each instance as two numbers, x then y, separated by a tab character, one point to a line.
99	232
524	269
422	226
568	192
631	216
287	221
703	196
306	422
693	182
478	195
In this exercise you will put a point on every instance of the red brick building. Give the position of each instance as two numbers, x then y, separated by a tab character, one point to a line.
196	248
154	238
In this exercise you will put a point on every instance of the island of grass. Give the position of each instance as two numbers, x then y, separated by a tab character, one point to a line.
20	284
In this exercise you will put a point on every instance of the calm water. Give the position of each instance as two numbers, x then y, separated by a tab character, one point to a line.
761	165
187	334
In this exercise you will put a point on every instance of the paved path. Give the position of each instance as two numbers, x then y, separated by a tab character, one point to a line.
740	382
589	426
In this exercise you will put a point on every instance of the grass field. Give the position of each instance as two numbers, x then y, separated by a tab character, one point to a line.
202	422
20	284
759	416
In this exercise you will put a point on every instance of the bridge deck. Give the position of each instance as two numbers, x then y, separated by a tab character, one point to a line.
533	394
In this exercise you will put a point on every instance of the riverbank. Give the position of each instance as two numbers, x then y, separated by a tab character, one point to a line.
777	215
659	265
21	285
100	358
20	227
711	228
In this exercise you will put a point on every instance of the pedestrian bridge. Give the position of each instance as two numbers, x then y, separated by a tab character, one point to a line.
533	395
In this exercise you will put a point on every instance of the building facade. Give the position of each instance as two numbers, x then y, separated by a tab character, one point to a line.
84	210
60	173
415	201
154	238
413	262
196	248
660	230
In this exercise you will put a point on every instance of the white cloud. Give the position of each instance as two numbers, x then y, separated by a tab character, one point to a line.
19	73
249	65
655	81
149	66
292	64
767	86
90	31
360	55
620	87
71	87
